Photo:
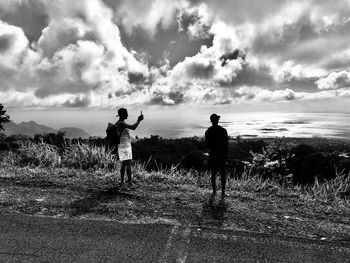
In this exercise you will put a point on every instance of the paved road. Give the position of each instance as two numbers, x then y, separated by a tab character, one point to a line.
39	239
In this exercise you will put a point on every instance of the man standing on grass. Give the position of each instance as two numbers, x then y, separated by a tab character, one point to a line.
216	140
124	146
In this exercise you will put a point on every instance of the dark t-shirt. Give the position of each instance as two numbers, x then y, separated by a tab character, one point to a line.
216	139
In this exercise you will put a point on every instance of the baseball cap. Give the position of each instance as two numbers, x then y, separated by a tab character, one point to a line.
214	117
121	111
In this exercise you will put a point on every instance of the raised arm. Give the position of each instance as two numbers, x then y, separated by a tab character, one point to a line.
132	126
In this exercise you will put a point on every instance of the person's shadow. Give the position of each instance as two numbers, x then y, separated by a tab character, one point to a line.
94	198
214	211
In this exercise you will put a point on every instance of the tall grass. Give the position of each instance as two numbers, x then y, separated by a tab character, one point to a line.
41	155
77	156
172	175
331	190
253	182
85	156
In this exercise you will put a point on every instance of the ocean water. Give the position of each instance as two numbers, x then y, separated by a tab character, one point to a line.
270	124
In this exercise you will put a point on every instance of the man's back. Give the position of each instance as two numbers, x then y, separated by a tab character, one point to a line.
216	139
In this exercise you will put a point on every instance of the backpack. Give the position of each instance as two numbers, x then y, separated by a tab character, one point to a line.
113	138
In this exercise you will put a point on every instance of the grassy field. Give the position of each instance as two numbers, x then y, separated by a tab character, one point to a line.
62	188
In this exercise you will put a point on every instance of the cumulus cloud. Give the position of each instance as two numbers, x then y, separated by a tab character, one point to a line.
29	15
80	51
149	15
259	94
104	52
77	102
337	61
335	80
13	45
195	21
195	78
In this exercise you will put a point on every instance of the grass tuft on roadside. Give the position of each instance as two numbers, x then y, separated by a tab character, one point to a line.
82	188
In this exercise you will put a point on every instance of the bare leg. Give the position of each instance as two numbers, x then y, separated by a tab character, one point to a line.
122	172
128	170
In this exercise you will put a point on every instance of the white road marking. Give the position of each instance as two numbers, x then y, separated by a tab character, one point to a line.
177	245
168	245
186	235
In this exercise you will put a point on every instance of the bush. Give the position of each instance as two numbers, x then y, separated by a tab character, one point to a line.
272	162
307	163
195	160
85	156
41	155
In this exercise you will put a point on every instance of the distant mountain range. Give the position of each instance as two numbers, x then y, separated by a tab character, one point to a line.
31	128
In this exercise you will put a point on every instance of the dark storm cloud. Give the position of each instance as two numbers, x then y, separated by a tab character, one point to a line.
77	102
30	15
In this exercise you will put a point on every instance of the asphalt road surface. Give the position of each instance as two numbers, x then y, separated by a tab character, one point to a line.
42	239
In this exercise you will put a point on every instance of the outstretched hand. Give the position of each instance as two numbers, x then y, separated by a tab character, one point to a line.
140	118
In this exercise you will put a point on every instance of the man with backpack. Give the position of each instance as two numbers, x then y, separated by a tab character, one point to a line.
119	136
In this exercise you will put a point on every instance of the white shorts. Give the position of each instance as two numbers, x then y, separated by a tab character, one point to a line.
125	153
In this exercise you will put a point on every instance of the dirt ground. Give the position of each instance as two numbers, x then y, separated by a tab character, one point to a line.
63	195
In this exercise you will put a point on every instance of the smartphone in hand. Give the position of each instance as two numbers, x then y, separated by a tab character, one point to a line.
140	117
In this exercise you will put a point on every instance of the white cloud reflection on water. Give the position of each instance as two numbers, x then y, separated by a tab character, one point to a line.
272	124
186	123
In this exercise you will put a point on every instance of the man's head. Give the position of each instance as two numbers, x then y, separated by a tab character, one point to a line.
122	113
214	118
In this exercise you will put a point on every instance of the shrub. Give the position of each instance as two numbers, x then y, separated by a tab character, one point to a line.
85	156
307	163
42	155
272	162
195	160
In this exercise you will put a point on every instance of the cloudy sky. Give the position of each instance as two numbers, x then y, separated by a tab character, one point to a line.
62	61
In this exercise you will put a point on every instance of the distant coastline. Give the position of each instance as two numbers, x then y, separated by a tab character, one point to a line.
270	125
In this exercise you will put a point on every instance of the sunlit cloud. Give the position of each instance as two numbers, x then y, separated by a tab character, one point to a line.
104	53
